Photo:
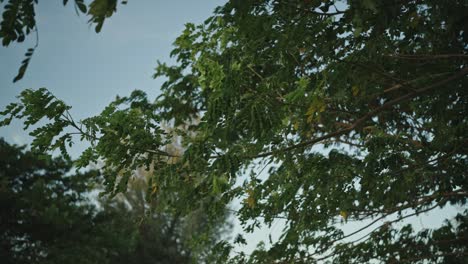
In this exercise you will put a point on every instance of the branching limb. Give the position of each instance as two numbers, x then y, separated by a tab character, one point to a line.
366	117
428	56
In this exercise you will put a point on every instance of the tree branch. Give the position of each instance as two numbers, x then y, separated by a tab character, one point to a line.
427	56
68	118
387	223
364	118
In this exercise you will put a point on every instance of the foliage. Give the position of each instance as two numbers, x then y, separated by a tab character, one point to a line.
44	215
47	216
163	236
358	108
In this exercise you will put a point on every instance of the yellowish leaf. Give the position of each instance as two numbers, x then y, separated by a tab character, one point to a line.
154	189
344	214
296	125
250	200
318	105
355	90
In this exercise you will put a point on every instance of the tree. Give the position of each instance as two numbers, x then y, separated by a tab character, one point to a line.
359	108
159	235
47	216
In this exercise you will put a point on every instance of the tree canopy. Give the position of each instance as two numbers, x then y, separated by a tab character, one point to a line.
357	108
48	216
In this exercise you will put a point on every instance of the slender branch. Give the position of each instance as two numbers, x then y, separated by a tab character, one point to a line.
364	118
427	56
387	223
301	65
256	73
68	118
347	142
159	152
418	201
408	83
421	201
261	216
326	14
373	69
423	164
456	254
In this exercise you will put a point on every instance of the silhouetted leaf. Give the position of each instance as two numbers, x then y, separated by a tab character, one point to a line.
24	65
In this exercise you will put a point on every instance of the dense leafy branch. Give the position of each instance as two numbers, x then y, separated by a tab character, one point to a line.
369	115
360	112
429	57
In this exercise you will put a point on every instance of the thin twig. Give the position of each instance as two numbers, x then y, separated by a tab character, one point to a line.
256	73
387	223
427	56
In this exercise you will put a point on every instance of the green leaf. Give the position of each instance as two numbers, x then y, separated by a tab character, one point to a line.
81	6
24	65
370	4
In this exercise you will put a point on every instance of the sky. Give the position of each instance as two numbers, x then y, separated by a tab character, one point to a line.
87	70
